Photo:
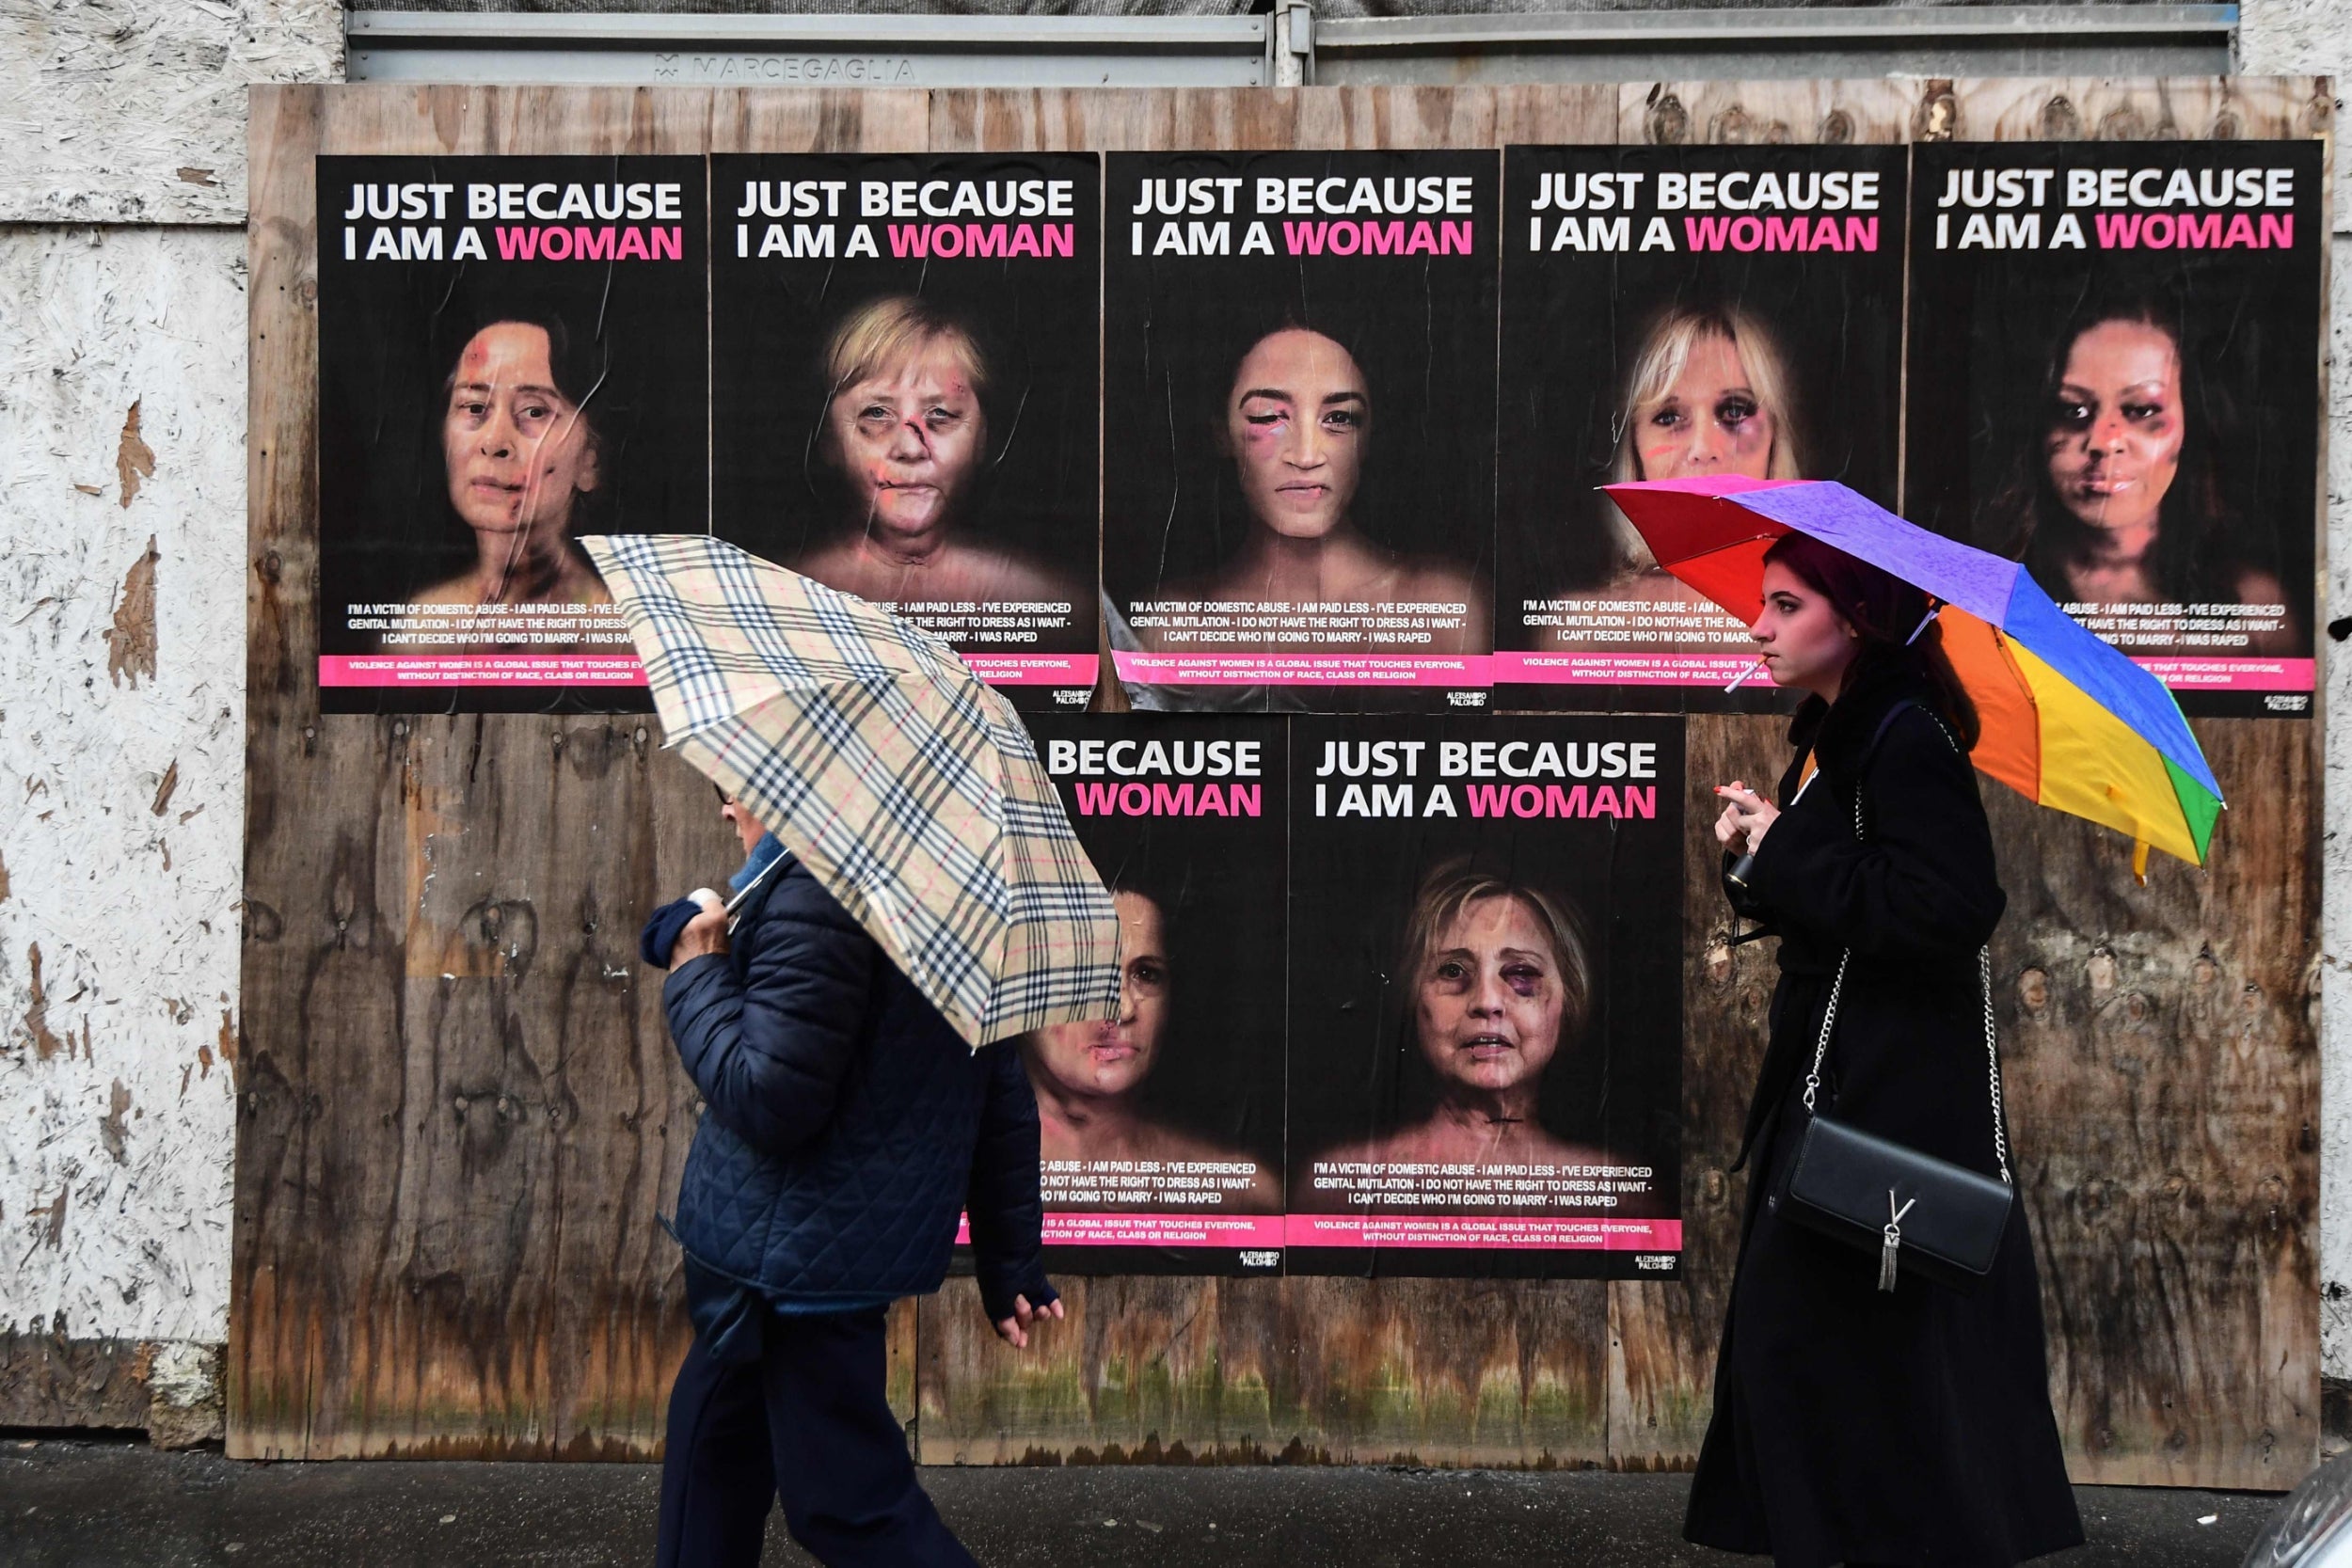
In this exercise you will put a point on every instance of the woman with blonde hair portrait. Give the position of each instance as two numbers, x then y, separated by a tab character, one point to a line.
906	443
1708	393
1497	982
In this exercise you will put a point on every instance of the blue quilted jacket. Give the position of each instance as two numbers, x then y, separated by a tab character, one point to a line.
847	1123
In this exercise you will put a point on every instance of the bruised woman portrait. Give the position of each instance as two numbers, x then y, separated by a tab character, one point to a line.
1300	424
910	434
1089	1078
1497	983
525	469
1708	393
2117	495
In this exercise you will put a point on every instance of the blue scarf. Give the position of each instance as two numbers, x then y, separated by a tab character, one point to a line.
763	855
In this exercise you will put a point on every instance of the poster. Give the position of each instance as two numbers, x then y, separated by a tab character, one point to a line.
511	357
1299	401
1677	312
1161	1131
905	373
1485	983
2116	379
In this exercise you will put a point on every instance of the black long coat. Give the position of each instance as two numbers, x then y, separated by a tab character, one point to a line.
1852	1425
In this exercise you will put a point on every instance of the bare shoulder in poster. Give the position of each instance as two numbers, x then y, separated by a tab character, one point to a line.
1299	422
2116	499
1708	392
1499	982
1090	1077
908	437
523	467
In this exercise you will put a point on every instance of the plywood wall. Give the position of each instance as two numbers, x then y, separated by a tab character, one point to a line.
460	1112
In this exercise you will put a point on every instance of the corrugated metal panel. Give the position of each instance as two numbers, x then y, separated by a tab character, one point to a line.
900	50
837	50
1696	45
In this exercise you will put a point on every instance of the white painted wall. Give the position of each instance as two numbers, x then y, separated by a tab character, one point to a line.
121	781
133	111
117	1110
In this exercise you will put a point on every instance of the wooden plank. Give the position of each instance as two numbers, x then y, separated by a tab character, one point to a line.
1828	113
417	1276
1662	1335
1534	115
1418	1371
461	1108
2162	1039
47	1381
1345	1371
2191	108
2163	1079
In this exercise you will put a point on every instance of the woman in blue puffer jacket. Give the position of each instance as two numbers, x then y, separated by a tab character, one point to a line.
848	1125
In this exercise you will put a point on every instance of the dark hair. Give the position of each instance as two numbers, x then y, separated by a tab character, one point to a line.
1227	505
2197	555
1884	611
581	369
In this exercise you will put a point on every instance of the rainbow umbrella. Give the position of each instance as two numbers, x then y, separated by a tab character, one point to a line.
2069	721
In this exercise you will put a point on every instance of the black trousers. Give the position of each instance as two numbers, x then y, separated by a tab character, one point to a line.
809	1422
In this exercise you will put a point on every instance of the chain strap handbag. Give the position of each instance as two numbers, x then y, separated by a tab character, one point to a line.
1942	1220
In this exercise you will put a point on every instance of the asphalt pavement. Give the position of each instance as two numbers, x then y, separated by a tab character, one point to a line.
102	1503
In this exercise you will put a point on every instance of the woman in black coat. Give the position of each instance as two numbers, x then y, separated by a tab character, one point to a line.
1854	1426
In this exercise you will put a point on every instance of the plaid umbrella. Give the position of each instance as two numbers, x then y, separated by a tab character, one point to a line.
908	789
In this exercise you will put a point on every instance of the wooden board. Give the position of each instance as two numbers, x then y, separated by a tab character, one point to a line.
460	1112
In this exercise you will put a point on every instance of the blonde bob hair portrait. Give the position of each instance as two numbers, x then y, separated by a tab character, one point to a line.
1665	353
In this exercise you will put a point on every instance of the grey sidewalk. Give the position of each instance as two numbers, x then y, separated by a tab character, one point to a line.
99	1504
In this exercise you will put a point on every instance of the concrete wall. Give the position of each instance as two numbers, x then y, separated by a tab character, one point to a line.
121	715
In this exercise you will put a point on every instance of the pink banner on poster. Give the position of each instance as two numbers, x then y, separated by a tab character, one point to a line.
1490	1231
1623	668
1459	669
2232	674
1080	1229
1034	669
481	669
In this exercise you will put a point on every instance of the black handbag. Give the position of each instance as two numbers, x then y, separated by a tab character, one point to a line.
1942	1220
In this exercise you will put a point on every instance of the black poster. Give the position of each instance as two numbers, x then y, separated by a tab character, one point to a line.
511	357
2115	378
1485	983
1670	313
1299	488
1161	1131
905	365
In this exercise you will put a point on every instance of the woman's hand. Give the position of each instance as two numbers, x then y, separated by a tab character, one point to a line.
1746	819
1014	1330
704	934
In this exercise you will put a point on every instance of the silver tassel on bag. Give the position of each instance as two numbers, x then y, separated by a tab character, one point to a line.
1894	1234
